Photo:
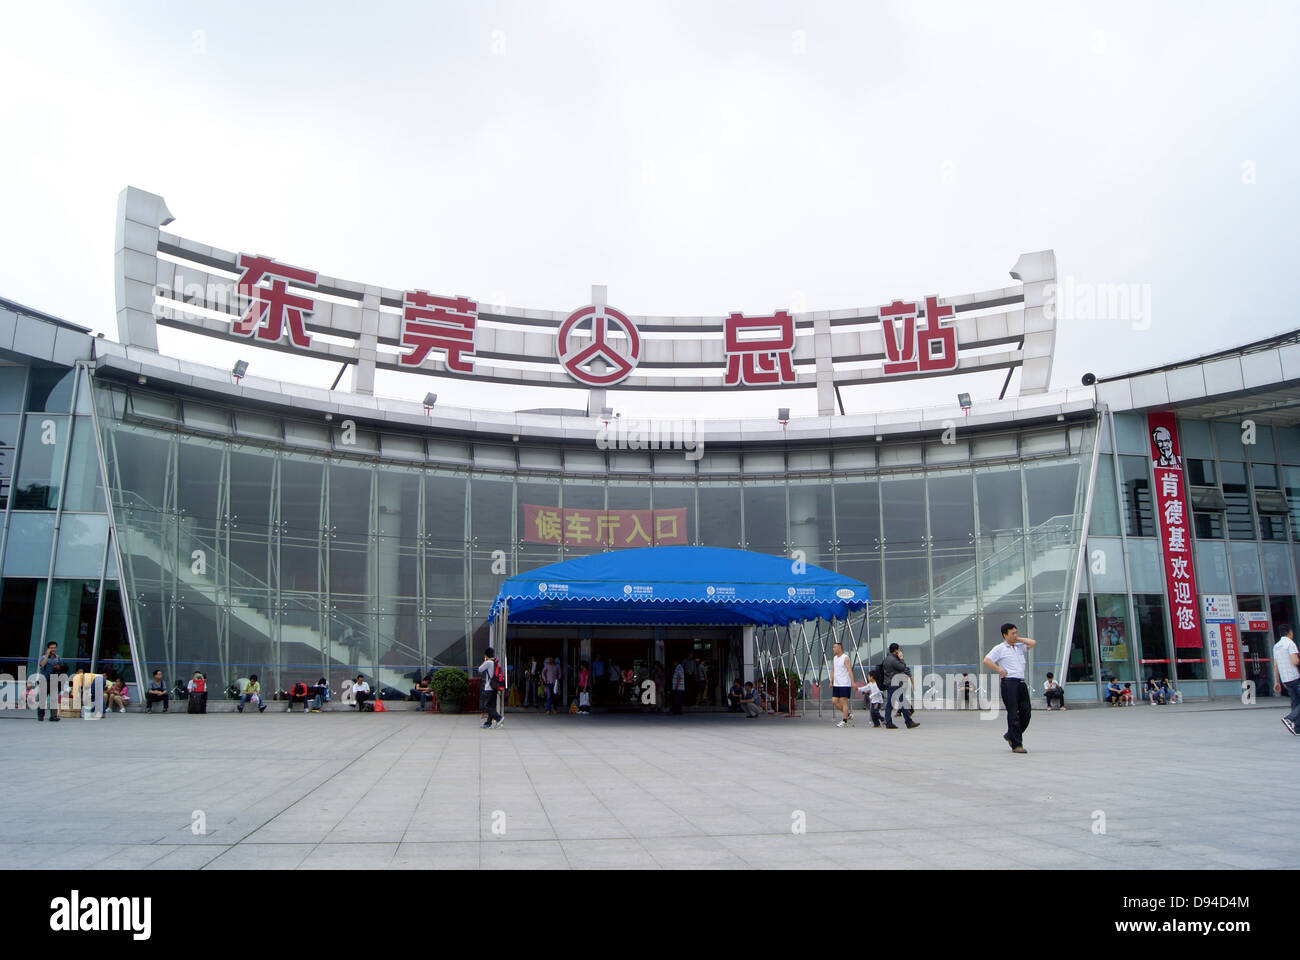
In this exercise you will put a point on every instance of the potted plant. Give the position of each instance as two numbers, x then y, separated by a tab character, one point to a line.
452	687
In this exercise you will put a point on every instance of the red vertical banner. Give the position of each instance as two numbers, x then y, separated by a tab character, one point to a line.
1173	522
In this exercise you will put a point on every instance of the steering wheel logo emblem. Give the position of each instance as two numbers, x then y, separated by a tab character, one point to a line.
601	362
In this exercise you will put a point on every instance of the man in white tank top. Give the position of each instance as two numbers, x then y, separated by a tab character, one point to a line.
841	685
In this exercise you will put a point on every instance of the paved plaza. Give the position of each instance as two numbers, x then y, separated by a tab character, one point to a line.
1209	785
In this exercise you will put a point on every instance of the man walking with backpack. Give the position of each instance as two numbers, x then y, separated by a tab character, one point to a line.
492	682
1008	659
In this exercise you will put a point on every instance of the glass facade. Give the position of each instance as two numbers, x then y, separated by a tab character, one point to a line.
245	549
1243	487
145	530
55	536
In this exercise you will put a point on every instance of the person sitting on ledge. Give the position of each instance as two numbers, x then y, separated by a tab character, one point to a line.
116	695
320	695
298	693
156	693
423	692
749	700
1168	693
1151	692
1113	692
252	693
361	691
1053	691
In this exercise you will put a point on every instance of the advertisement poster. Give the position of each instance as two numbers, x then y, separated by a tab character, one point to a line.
1112	635
1222	650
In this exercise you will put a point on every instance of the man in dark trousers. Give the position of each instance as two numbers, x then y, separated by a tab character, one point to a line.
1008	659
50	667
488	692
157	693
897	674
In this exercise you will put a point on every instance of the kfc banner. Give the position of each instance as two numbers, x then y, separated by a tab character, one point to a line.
620	529
1171	513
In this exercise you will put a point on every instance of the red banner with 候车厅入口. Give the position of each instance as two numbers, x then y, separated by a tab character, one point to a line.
593	527
1173	522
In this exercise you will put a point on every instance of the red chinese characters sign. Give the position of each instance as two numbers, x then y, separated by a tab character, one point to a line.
910	348
619	529
438	323
272	307
765	355
1175	544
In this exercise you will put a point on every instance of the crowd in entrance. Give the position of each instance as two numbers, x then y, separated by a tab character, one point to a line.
540	684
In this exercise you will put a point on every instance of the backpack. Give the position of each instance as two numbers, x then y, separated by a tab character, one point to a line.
498	675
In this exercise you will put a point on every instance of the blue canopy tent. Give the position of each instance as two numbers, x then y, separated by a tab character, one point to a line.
696	586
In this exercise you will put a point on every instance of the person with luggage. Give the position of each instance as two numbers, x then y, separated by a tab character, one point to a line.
584	688
197	689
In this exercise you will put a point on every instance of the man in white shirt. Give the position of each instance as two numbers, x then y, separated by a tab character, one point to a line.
361	692
1008	659
841	684
1288	674
488	692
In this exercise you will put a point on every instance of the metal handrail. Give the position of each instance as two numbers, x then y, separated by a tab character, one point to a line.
248	580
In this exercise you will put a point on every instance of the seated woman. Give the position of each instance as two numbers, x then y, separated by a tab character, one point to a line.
1151	692
320	695
1168	693
116	695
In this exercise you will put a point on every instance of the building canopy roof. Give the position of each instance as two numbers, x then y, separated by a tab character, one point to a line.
678	585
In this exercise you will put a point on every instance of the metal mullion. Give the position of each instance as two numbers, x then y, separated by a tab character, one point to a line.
135	644
1024	558
1071	609
58	517
18	452
421	585
223	613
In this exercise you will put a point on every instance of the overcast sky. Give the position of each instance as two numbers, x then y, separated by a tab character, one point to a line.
697	158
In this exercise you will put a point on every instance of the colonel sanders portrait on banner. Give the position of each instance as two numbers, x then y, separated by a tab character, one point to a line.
1165	445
